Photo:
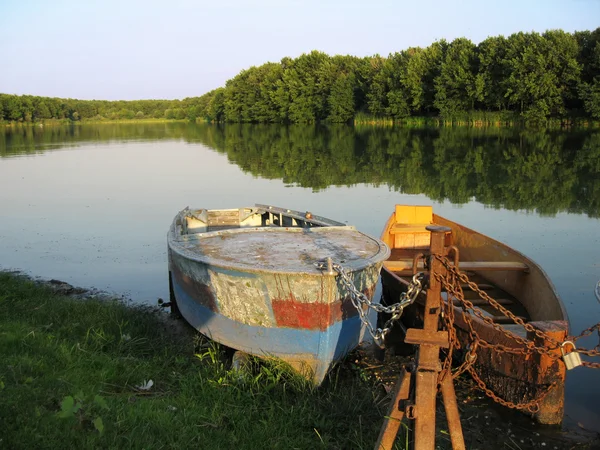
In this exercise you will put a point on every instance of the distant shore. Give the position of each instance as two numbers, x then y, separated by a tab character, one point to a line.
52	122
415	122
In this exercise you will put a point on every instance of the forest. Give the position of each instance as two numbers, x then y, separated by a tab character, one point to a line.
527	77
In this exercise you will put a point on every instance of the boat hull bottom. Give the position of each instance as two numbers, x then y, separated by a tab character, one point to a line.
310	352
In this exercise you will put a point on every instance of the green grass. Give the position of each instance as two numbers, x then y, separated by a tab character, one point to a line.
69	370
476	119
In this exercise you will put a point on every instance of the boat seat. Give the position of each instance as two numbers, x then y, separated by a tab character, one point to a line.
400	228
412	219
407	264
408	230
499	319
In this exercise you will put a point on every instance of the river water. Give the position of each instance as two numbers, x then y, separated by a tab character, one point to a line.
91	204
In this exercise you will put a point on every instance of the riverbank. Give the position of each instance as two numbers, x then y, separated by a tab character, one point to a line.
99	372
483	119
53	122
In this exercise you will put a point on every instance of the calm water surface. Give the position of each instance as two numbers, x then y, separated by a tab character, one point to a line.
92	204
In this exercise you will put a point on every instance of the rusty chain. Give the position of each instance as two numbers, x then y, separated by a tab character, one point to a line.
469	306
451	281
587	332
455	290
532	405
529	344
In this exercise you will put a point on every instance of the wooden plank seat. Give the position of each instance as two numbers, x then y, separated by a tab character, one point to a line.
407	264
503	320
409	228
478	301
481	305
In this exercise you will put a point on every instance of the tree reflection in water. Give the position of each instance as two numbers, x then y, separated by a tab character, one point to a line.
547	171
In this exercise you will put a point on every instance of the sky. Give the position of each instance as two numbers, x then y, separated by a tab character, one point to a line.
133	49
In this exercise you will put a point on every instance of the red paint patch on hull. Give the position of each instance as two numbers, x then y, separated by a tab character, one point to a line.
291	313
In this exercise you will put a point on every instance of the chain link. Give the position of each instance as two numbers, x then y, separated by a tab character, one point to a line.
530	347
362	303
451	281
533	405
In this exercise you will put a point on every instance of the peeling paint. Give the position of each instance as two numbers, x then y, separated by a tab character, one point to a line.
257	289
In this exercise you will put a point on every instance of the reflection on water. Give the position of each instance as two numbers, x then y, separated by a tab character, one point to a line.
547	171
91	204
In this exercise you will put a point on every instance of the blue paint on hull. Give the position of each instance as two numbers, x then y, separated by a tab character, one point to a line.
314	350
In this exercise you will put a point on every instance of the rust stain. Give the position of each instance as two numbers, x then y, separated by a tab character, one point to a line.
201	293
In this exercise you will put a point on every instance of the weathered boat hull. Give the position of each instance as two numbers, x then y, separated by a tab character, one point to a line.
513	377
273	309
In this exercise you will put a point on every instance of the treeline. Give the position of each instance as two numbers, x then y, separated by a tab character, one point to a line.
528	77
30	108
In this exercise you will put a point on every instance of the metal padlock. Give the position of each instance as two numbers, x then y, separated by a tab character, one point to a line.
571	359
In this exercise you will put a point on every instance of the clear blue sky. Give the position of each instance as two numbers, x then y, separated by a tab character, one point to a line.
131	49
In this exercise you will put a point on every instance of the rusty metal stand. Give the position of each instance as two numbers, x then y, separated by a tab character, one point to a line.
415	393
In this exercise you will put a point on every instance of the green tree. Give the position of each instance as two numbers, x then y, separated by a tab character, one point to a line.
12	108
41	111
307	104
457	85
590	94
377	89
216	106
492	72
341	99
589	59
542	70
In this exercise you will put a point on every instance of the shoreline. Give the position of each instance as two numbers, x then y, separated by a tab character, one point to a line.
63	122
567	123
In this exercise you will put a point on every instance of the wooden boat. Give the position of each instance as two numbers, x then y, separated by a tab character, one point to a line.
506	275
247	278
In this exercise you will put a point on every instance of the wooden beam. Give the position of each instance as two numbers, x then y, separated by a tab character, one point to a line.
409	229
406	264
421	336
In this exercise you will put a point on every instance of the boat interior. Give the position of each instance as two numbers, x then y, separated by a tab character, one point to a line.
408	239
207	220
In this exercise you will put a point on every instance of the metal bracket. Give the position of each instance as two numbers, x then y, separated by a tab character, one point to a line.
411	412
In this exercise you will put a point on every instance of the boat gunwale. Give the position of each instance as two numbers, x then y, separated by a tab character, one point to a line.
318	220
